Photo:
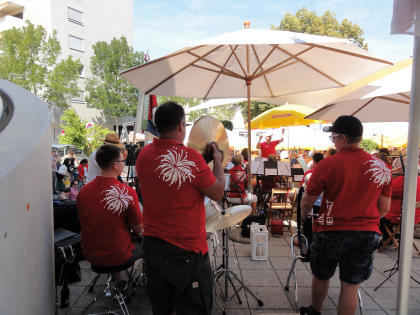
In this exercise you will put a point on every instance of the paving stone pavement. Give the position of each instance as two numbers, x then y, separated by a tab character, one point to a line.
267	280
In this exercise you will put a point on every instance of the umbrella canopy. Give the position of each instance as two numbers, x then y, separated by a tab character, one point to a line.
286	115
384	100
272	62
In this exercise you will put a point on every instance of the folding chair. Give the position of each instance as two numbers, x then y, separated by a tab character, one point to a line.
392	230
282	200
265	184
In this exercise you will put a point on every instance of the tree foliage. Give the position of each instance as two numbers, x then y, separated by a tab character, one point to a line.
309	22
227	124
186	103
256	108
28	57
107	91
368	145
76	133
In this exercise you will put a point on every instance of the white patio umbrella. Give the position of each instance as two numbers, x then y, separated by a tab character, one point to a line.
384	100
255	63
404	21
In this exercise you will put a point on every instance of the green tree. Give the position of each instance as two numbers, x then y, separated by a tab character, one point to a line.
256	108
309	22
76	133
227	124
107	91
186	103
28	57
368	145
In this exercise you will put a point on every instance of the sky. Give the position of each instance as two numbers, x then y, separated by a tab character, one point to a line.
163	26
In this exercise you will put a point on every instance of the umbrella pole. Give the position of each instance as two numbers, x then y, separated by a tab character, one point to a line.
410	187
248	86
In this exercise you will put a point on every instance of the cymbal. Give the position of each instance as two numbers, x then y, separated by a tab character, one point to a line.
206	130
226	218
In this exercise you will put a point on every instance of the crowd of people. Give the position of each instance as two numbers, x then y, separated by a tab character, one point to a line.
348	189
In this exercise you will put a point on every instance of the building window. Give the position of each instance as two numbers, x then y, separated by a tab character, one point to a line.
82	71
75	16
76	43
80	98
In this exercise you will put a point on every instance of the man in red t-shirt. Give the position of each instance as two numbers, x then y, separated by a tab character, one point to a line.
357	191
174	180
268	147
108	211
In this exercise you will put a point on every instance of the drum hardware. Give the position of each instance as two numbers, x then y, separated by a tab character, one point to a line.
222	221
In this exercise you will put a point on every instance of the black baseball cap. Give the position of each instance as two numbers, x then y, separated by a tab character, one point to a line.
346	125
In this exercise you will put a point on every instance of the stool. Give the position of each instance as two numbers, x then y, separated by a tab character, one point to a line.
109	271
109	291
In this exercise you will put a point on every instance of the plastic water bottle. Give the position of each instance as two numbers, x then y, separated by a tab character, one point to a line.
65	294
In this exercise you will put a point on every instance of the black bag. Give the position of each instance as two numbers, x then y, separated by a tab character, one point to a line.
66	265
247	222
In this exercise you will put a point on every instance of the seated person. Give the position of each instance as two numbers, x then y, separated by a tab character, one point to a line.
64	194
108	211
394	214
74	190
307	222
316	158
385	158
237	193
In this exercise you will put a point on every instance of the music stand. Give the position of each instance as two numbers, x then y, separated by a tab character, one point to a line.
396	267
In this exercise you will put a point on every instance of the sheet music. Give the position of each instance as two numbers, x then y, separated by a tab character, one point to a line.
283	168
270	171
257	166
302	163
270	168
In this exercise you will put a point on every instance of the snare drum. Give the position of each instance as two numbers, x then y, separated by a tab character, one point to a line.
211	207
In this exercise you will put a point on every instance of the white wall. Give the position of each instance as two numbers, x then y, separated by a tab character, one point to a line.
26	224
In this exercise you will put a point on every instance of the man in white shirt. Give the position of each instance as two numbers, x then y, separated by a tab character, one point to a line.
94	169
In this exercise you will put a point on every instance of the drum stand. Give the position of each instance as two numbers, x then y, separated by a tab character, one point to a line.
223	270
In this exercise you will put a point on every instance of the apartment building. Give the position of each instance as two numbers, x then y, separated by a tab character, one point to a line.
79	25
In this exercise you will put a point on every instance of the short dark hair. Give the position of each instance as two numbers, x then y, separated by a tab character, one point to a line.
351	140
318	157
384	150
332	151
168	116
67	162
84	161
244	153
106	155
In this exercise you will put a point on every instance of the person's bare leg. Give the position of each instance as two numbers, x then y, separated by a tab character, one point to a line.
253	208
348	300
319	293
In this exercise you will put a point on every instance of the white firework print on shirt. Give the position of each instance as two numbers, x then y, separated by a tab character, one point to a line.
117	199
175	168
380	174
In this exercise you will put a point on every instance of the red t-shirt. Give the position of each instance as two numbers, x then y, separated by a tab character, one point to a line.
352	181
308	172
394	213
268	148
107	209
171	178
237	175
